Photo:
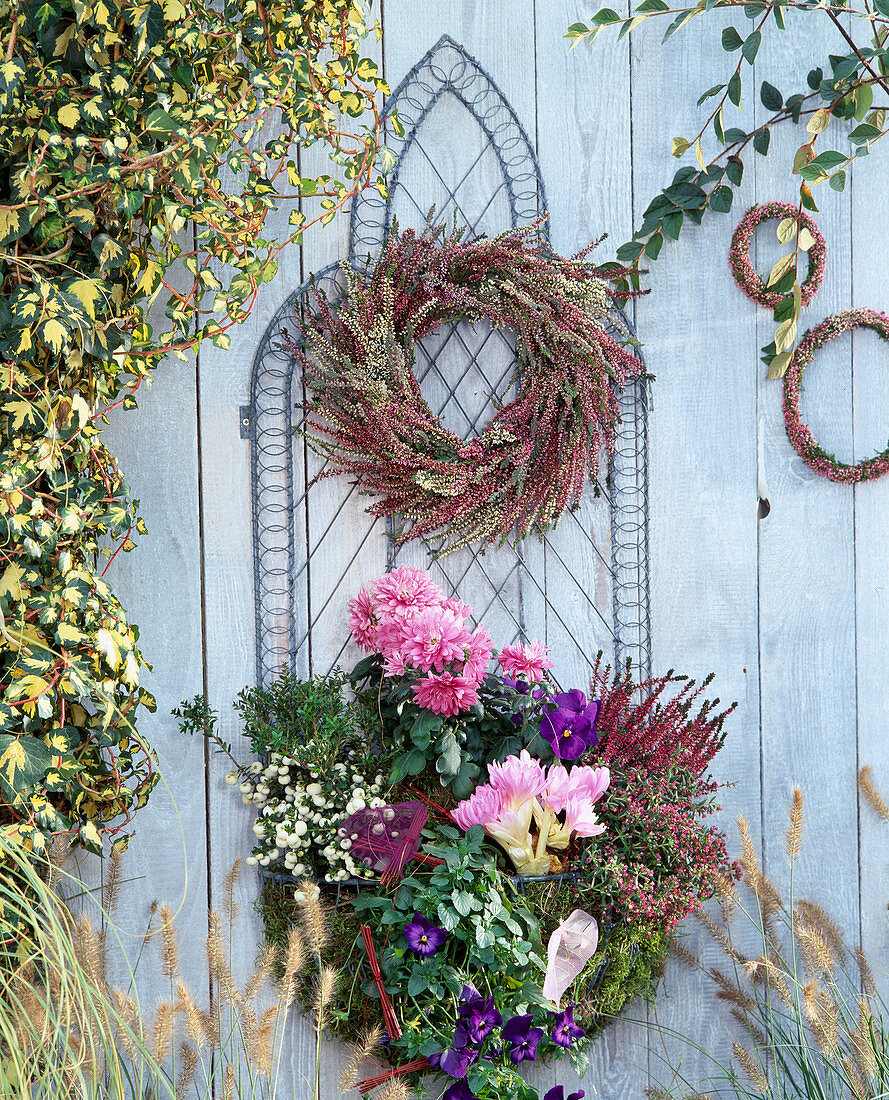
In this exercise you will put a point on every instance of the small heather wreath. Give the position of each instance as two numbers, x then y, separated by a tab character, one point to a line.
798	432
745	274
532	460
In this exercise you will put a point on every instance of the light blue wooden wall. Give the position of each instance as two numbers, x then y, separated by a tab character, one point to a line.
789	611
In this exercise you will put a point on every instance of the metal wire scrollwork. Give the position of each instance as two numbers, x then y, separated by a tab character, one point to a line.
464	150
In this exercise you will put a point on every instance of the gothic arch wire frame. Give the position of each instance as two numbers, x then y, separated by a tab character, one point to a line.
282	592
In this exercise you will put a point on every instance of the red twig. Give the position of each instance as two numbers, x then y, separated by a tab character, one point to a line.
371	1083
440	811
392	1026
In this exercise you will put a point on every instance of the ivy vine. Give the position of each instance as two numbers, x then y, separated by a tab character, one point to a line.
142	145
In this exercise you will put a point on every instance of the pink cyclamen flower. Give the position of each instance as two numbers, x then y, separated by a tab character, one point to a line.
405	591
445	693
519	779
433	638
590	783
477	655
526	661
362	620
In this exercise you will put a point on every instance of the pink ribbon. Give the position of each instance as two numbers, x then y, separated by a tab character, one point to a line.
570	948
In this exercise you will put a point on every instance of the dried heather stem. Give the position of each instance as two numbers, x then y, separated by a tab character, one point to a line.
752	1030
396	1089
228	1083
795	829
729	990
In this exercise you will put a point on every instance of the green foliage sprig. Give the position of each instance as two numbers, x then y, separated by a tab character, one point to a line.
850	87
142	147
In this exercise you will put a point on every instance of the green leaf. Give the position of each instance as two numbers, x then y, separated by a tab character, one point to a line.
23	763
734	169
751	47
761	141
653	246
721	200
731	40
710	92
771	98
672	224
734	89
864	133
838	181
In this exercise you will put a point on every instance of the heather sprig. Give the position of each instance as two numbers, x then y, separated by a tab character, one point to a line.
532	461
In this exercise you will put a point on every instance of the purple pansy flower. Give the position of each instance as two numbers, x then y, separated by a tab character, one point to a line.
423	937
478	1013
566	1029
522	1039
558	1093
459	1057
459	1090
571	727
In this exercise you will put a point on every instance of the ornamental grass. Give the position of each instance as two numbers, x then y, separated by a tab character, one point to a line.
69	1032
809	1019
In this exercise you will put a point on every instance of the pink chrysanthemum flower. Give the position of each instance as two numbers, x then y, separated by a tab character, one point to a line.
405	591
392	631
455	604
526	661
477	654
433	638
445	694
362	620
395	664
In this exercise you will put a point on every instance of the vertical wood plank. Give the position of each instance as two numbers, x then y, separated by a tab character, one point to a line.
583	152
807	594
701	342
870	427
159	584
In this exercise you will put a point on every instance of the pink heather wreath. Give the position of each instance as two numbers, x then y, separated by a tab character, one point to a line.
800	436
532	460
747	277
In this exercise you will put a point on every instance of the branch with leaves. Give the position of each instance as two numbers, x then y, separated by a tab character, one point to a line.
852	87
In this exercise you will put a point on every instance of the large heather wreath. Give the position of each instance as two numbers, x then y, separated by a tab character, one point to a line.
533	458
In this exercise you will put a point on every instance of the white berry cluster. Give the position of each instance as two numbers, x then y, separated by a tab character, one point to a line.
300	810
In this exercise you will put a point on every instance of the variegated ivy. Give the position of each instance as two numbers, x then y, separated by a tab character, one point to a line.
134	136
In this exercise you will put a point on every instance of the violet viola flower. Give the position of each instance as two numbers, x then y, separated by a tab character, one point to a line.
521	1039
478	1013
457	1059
558	1093
423	937
571	727
565	1028
459	1090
